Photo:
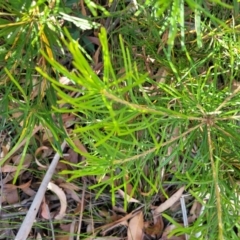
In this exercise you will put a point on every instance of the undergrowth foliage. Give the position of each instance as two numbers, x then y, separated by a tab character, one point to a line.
26	98
189	128
174	121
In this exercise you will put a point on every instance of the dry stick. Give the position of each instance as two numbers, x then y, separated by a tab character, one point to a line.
31	215
81	212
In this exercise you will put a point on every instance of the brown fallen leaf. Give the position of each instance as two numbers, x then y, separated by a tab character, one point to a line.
96	56
8	168
80	147
70	189
73	195
169	202
68	119
195	211
12	168
61	166
45	213
26	188
94	40
9	194
68	185
22	186
72	156
135	227
83	9
16	159
156	229
62	197
30	192
26	162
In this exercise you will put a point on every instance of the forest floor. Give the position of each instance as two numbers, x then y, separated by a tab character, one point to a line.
119	120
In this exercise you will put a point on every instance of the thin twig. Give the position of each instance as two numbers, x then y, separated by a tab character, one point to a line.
31	215
81	210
